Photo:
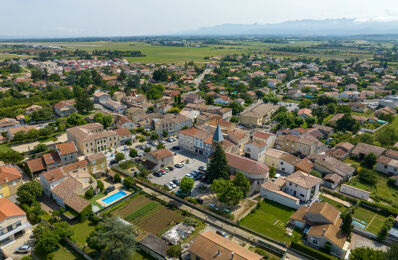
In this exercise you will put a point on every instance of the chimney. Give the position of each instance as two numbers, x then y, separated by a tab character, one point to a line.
232	256
323	232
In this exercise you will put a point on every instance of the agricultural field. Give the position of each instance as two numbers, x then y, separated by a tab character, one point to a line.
149	215
373	222
270	220
178	55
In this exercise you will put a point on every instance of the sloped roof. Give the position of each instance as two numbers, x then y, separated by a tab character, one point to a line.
303	179
9	209
218	137
246	165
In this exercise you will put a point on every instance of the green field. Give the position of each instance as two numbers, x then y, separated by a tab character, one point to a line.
178	55
373	220
270	220
81	232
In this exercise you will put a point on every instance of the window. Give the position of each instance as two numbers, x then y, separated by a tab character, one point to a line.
18	224
14	183
314	241
9	228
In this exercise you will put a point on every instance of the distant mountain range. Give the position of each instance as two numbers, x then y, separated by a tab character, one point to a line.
327	27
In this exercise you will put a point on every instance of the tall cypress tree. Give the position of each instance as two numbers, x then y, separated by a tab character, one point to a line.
218	166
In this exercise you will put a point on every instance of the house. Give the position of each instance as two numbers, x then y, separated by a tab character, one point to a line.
10	180
292	190
159	159
13	222
171	123
67	152
124	122
362	149
272	157
388	163
266	137
287	163
257	114
133	112
65	108
358	107
225	113
97	164
32	108
272	83
255	171
238	137
101	97
326	164
352	95
153	245
118	96
193	98
305	144
333	120
386	111
304	165
222	100
114	106
12	131
332	180
124	135
304	112
325	130
50	179
92	138
341	150
255	150
321	223
209	245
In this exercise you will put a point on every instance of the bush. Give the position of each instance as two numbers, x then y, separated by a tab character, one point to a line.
316	173
100	185
126	164
89	193
94	219
368	176
128	182
261	252
174	251
192	200
310	251
117	178
190	221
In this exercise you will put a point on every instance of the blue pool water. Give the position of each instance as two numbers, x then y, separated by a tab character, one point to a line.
114	197
358	224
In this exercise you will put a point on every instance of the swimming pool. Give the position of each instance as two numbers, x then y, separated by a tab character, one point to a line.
114	197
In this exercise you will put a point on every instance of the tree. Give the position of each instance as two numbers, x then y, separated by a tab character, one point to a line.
242	182
63	229
105	120
234	119
186	185
83	101
392	252
272	172
316	173
236	108
305	103
165	133
117	178
113	238
347	222
331	108
226	192
381	236
366	253
289	74
89	193
369	160
133	153
128	182
160	146
160	75
218	166
75	119
347	123
174	251
119	157
100	185
45	238
29	192
387	137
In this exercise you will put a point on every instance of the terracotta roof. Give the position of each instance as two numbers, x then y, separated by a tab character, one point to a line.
95	156
392	154
246	165
300	213
289	158
325	210
334	165
66	190
66	148
262	135
123	132
303	179
9	209
8	174
333	177
210	245
331	231
367	148
74	166
51	158
305	165
36	165
161	153
53	175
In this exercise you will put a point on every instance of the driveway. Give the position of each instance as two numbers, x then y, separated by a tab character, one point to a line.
360	241
10	248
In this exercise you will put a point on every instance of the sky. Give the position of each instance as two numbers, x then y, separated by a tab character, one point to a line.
72	18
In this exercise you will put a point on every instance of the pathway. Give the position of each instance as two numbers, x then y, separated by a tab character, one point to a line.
345	203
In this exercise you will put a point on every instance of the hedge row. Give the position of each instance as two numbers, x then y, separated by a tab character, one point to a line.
387	210
310	251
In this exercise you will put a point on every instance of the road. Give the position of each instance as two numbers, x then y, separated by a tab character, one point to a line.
222	225
201	77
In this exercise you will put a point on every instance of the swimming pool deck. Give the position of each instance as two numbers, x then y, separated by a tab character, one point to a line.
103	204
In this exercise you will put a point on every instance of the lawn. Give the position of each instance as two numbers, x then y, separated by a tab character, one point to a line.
374	221
94	199
270	220
380	191
334	203
5	148
81	231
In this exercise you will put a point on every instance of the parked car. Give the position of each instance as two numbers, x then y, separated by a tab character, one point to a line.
24	249
172	184
199	200
171	168
162	142
177	182
157	174
109	189
202	168
212	206
188	175
112	162
227	211
168	186
175	148
179	165
222	233
154	143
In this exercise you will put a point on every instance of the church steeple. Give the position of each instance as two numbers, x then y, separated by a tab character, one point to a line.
217	137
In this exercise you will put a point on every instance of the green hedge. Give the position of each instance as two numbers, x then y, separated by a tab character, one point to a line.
387	210
310	251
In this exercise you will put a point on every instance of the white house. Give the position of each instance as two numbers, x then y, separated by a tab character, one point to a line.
255	150
287	163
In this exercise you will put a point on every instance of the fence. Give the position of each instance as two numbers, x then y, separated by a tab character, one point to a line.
122	199
364	233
